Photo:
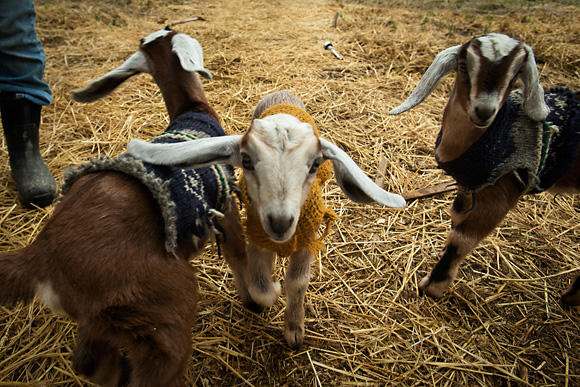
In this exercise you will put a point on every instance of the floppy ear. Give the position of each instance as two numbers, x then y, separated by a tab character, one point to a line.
190	54
354	182
534	104
136	64
194	154
444	62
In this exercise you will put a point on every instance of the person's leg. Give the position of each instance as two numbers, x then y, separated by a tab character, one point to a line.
21	120
22	94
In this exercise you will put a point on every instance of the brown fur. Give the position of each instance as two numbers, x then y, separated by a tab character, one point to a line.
103	254
101	259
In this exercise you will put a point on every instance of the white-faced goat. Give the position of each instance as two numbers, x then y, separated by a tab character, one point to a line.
283	162
115	254
497	142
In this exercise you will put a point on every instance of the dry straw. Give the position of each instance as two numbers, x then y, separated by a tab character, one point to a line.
499	325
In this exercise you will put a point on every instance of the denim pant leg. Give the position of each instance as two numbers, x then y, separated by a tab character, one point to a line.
22	58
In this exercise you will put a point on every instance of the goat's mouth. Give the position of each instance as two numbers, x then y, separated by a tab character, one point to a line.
280	238
480	125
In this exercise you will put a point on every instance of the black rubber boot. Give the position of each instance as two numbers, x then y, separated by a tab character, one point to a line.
21	121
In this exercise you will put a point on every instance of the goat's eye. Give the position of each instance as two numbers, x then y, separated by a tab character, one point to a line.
247	162
315	165
462	68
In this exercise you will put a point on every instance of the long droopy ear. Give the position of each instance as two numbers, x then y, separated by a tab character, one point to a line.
99	88
190	54
444	62
199	153
354	182
534	103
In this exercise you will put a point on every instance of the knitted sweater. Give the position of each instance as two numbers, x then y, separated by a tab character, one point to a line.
312	214
188	199
537	153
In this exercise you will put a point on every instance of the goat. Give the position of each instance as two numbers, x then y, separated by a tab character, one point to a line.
283	165
103	257
497	142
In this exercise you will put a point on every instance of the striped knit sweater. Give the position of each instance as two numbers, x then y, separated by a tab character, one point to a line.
189	199
537	153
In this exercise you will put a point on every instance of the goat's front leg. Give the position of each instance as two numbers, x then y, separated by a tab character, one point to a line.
262	288
473	218
297	279
236	255
572	295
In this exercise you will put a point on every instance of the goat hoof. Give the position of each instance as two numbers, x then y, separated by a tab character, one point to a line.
433	289
294	335
570	297
266	297
253	307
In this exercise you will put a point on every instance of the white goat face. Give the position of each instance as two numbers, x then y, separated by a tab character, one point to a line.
280	156
490	64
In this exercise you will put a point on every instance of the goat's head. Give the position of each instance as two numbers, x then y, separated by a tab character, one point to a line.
279	156
487	70
151	57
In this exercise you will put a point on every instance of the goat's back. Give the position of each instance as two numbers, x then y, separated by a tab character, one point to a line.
102	254
274	99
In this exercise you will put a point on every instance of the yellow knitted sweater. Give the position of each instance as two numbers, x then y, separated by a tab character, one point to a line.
312	214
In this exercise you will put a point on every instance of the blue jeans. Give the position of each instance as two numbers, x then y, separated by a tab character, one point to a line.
22	58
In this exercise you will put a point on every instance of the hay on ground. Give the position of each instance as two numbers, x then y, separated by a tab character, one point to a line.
500	324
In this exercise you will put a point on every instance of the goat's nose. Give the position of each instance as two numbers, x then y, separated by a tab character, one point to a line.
484	113
279	224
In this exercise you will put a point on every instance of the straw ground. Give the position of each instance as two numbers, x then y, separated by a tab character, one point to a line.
499	325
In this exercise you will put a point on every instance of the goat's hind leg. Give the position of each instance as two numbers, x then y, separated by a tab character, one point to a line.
472	222
99	360
160	358
297	279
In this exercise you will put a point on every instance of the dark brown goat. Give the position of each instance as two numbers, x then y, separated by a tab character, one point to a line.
492	140
102	258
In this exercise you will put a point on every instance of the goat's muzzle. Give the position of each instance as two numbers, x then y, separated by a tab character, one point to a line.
280	228
482	115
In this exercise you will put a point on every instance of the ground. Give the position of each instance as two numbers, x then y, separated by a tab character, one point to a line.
500	324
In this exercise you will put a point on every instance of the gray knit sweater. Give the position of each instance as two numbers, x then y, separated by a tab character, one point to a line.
537	153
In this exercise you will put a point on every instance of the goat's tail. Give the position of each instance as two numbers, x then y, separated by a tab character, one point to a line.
16	283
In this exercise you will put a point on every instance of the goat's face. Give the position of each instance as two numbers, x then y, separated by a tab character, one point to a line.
280	156
487	69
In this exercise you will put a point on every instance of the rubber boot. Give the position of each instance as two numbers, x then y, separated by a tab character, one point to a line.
21	121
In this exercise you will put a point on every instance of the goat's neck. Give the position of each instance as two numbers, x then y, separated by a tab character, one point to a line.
458	133
183	92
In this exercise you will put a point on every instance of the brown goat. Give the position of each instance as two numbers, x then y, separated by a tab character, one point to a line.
102	257
497	143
